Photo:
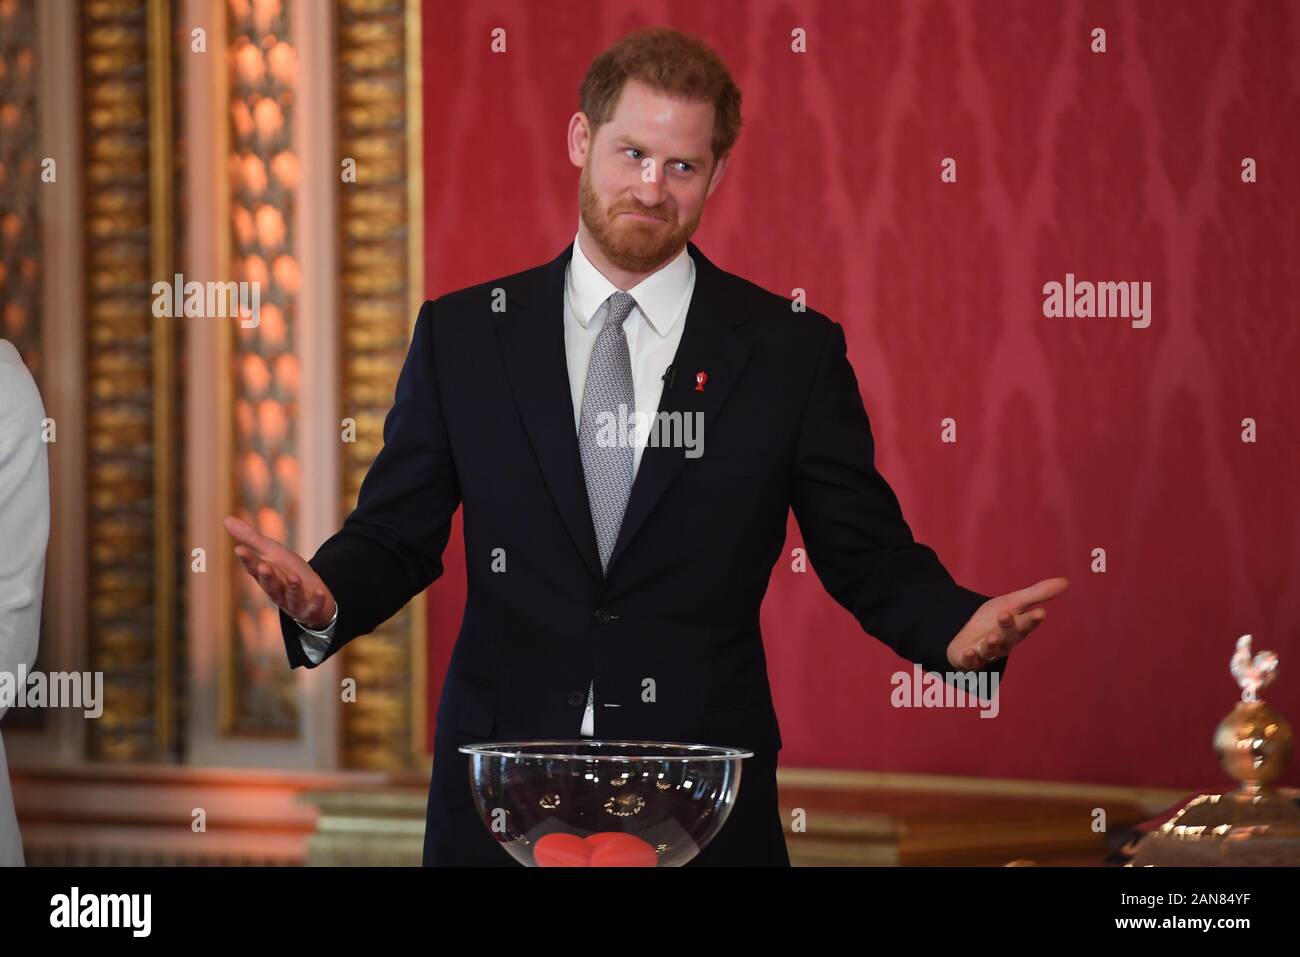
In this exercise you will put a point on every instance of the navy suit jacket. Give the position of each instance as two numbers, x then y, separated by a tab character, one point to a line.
483	420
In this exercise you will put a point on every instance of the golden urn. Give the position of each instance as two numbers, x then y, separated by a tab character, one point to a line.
1255	824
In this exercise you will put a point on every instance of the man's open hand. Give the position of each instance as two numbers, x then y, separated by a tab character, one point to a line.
1002	623
283	574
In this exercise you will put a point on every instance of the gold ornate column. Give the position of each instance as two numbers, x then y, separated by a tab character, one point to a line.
381	270
130	355
259	695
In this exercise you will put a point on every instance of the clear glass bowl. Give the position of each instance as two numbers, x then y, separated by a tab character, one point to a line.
603	803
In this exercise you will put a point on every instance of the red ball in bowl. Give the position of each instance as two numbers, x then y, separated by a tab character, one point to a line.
562	850
616	849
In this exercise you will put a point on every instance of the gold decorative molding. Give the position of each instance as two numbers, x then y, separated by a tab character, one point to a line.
127	152
259	695
142	815
421	752
381	289
871	817
379	827
165	391
1149	799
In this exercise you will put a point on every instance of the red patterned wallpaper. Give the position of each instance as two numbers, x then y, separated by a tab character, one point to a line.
1073	434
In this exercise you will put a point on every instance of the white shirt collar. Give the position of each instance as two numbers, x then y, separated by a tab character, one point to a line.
658	296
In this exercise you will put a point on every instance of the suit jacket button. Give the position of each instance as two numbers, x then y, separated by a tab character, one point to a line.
576	698
603	617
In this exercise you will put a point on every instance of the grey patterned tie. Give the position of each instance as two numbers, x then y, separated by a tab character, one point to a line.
607	468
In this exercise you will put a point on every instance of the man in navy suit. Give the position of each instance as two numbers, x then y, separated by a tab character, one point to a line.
609	550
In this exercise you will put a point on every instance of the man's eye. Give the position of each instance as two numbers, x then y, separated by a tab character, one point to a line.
633	153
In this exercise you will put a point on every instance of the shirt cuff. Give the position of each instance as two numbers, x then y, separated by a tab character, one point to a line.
316	641
327	631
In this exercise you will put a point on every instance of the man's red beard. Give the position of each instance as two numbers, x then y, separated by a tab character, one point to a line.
632	244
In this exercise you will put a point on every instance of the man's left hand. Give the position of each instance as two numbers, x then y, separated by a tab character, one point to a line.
1002	623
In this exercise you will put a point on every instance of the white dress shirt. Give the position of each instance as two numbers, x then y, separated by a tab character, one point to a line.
653	330
24	533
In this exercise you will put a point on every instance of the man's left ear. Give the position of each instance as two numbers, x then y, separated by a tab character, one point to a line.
716	177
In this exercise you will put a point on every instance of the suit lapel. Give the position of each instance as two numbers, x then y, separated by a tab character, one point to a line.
531	338
708	345
532	344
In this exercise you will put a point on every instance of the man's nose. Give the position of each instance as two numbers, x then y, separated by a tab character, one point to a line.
652	193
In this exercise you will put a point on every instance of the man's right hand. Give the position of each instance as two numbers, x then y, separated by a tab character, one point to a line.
283	574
